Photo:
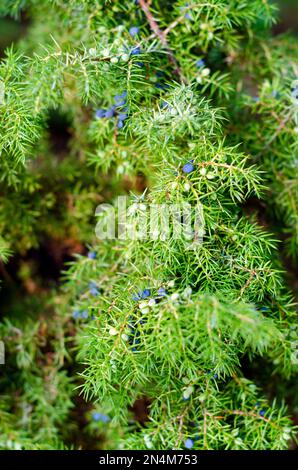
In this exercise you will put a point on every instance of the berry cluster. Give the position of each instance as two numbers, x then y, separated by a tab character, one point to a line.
134	31
80	314
118	109
93	288
100	417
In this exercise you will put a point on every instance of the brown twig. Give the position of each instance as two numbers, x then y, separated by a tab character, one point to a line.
252	275
158	32
248	414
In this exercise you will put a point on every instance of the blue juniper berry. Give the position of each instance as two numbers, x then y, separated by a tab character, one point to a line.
188	444
134	31
188	168
120	100
93	288
84	314
122	116
264	309
135	51
141	295
96	416
146	293
92	255
295	93
262	412
100	113
110	112
200	63
76	314
105	418
187	15
162	292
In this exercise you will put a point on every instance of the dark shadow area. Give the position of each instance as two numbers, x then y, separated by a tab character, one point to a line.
59	130
11	31
288	17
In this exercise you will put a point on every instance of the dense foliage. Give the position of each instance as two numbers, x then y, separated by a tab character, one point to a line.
147	343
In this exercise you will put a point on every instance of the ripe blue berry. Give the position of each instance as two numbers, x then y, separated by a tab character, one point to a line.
84	314
105	418
134	31
100	417
100	113
145	293
188	168
93	288
262	412
295	93
200	63
76	314
264	309
122	116
123	94
162	292
120	100
96	416
188	444
110	112
92	255
135	51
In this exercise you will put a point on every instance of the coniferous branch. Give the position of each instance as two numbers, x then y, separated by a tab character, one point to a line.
161	103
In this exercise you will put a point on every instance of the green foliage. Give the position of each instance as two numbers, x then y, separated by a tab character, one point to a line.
204	84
